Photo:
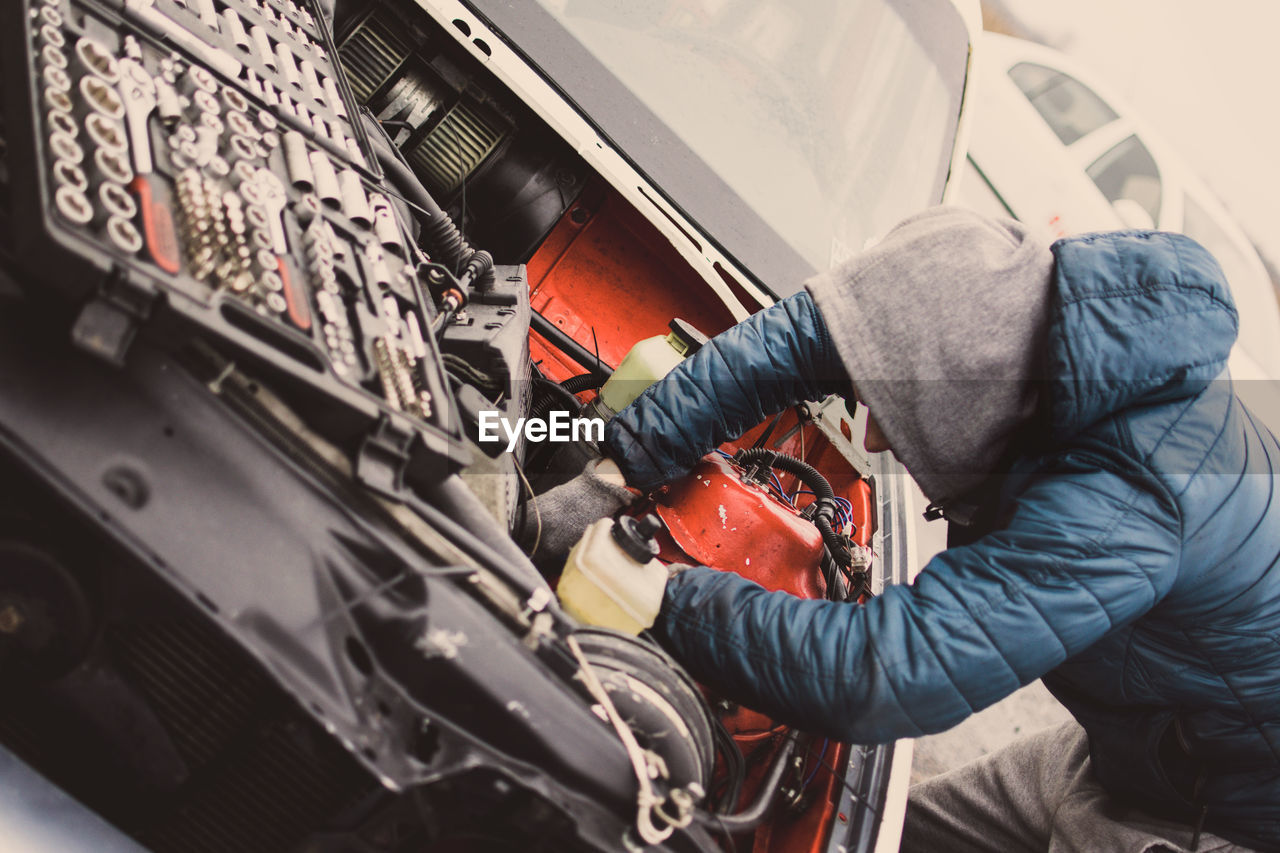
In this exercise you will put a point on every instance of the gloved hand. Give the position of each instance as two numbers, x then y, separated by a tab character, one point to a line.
674	569
556	519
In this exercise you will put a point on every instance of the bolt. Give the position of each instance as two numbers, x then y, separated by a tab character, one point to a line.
10	619
128	485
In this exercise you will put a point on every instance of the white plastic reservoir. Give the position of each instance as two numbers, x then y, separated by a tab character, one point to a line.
647	362
612	578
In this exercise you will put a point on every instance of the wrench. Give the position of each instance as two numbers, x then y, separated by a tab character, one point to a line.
267	191
138	90
144	11
270	194
208	14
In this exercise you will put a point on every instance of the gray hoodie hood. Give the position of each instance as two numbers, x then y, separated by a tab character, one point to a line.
941	326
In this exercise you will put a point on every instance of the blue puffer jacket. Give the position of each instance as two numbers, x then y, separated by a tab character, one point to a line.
1136	565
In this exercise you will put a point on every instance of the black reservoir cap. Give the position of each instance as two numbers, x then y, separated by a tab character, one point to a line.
635	536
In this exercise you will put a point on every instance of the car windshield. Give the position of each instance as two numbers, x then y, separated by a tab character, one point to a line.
792	133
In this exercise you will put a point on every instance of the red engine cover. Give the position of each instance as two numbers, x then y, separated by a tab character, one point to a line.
718	520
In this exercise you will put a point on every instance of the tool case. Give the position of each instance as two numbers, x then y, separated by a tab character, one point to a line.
196	169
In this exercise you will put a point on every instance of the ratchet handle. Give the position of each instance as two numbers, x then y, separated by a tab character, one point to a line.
296	302
158	227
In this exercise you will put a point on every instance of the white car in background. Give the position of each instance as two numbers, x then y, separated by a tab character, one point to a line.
1056	150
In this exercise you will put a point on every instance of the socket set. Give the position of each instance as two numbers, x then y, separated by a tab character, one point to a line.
169	196
278	51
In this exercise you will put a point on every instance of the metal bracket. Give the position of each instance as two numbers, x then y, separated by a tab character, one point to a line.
832	418
383	458
108	322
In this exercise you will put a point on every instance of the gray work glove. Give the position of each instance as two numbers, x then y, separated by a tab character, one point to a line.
563	513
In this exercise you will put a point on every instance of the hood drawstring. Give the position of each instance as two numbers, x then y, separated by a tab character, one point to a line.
1198	826
1197	788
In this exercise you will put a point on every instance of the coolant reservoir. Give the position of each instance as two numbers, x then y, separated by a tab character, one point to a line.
612	577
647	362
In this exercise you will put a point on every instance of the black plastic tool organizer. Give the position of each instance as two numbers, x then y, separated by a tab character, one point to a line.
250	220
281	53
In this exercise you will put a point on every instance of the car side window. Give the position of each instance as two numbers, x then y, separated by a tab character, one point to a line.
1129	171
1071	108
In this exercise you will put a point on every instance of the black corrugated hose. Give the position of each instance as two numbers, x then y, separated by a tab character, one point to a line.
478	271
439	232
554	396
824	495
581	382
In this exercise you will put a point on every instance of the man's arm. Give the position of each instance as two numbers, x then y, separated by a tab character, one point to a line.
1087	550
778	357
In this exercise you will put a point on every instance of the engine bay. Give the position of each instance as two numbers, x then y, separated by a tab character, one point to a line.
274	594
603	276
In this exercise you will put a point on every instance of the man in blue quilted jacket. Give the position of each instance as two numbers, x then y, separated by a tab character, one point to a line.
1125	542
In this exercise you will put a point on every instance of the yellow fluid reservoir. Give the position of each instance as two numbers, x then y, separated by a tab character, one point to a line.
647	362
612	578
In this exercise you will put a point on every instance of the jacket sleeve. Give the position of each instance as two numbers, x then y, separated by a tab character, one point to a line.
1086	551
778	357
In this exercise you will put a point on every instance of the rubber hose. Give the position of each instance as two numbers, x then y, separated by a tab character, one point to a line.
444	238
824	495
544	405
581	382
755	814
567	345
479	270
438	229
